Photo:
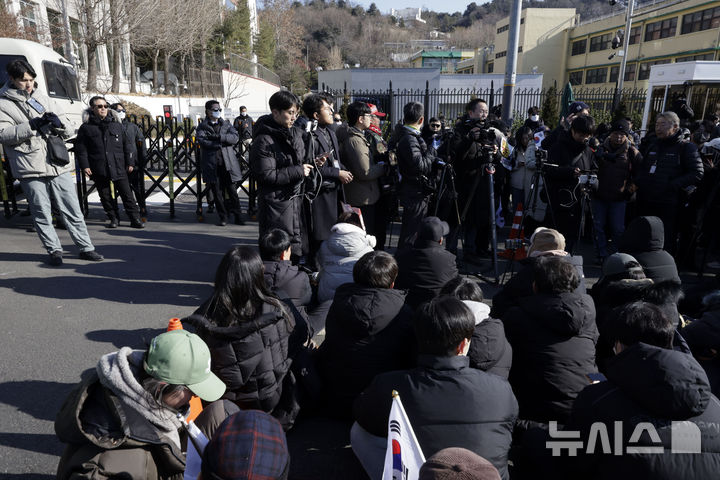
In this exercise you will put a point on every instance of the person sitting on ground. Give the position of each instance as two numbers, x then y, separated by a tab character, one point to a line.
649	386
543	242
644	239
247	445
448	403
368	331
703	338
281	276
121	420
249	331
427	266
337	256
489	349
553	336
457	464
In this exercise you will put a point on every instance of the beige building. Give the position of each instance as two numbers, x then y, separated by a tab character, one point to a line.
564	49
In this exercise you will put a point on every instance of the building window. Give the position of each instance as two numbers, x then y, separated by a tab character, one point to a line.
630	69
576	78
501	54
635	33
504	28
491	67
579	46
28	16
601	42
661	29
644	73
702	20
77	46
57	31
614	73
520	49
692	58
596	75
432	62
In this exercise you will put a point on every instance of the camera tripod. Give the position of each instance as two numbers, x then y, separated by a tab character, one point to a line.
585	205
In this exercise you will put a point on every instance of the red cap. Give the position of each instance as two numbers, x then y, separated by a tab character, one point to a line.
374	110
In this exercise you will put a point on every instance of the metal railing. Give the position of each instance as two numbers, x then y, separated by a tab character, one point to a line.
240	64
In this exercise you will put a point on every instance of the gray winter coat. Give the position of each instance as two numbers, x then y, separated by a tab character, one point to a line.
24	148
217	151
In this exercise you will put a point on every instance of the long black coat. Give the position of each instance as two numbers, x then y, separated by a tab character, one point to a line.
553	339
644	239
561	181
103	147
657	386
323	211
215	152
414	162
368	331
423	270
449	404
137	140
276	158
251	358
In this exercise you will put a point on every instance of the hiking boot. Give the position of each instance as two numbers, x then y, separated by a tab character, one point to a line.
136	223
56	258
91	256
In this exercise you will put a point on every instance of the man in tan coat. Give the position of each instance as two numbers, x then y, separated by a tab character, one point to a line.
364	191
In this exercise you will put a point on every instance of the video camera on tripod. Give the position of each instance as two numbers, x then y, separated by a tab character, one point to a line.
588	180
484	136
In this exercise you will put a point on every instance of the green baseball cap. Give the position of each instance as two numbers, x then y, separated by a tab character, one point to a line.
179	357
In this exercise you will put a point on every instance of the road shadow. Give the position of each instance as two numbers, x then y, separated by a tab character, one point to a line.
138	339
38	398
32	442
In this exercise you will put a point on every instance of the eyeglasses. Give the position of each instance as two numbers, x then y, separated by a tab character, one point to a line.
435	125
120	111
102	106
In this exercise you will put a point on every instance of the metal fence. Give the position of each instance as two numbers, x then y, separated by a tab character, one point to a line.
451	102
207	83
239	64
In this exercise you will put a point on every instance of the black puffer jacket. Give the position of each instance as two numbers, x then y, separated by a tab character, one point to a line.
448	404
553	339
251	358
103	147
657	386
276	159
677	165
561	181
614	170
423	270
414	162
288	281
644	239
703	338
520	285
367	331
489	349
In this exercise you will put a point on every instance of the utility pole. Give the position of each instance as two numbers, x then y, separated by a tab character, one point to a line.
511	66
623	60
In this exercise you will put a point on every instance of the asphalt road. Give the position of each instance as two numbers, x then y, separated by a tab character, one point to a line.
57	322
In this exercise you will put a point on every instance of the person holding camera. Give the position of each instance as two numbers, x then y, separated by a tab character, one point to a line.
415	163
474	145
25	120
386	206
617	159
572	155
220	167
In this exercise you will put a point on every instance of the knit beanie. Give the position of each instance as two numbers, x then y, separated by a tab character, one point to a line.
457	464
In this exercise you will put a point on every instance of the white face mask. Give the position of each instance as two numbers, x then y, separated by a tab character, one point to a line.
121	115
216	114
534	118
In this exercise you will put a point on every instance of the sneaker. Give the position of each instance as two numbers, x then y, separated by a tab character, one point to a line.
135	223
221	222
56	258
91	256
113	223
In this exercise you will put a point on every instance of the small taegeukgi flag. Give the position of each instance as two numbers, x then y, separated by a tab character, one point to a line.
404	456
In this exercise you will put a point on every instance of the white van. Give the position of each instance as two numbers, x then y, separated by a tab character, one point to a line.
56	77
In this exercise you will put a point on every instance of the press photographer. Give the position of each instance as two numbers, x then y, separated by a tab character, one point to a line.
616	159
473	146
571	153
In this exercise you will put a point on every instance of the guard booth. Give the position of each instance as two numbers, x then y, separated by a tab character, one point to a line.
698	81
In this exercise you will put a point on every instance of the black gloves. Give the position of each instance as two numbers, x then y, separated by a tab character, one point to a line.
37	123
44	123
53	120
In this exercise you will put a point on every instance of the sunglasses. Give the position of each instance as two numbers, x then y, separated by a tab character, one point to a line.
102	106
216	110
434	125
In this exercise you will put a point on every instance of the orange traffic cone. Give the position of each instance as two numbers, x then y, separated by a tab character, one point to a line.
174	324
516	237
195	402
